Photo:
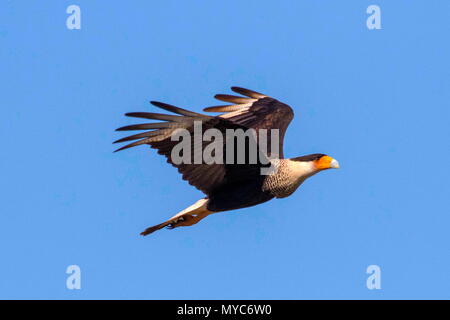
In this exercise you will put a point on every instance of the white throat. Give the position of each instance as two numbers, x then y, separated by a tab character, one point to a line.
301	169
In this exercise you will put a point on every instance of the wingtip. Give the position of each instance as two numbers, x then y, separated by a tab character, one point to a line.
207	109
210	109
160	104
237	89
132	114
126	147
248	92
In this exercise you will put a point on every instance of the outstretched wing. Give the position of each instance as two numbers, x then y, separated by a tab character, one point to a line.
256	111
205	177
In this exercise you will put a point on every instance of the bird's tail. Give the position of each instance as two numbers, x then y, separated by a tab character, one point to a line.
188	217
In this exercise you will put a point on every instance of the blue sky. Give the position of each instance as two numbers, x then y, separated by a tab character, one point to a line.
377	100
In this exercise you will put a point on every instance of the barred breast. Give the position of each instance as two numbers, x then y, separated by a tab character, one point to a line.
287	177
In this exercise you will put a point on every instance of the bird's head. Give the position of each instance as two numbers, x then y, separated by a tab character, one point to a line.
320	161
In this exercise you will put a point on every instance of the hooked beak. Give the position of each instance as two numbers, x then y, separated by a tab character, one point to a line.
334	164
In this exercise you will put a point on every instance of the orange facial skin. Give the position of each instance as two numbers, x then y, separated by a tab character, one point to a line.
323	163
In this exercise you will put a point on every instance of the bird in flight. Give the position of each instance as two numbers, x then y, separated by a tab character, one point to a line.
232	183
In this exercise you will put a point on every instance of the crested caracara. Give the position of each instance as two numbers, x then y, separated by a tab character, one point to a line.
229	184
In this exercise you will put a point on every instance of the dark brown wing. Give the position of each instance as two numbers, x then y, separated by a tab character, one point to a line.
256	111
205	177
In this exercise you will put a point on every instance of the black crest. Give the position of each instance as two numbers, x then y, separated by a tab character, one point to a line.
309	157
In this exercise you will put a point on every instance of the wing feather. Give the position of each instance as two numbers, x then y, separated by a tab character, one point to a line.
233	99
174	109
259	112
226	108
248	93
205	177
